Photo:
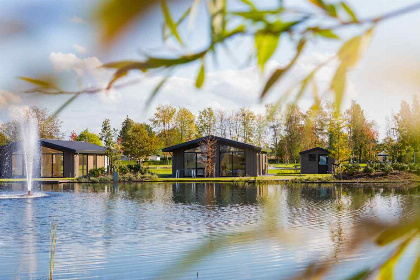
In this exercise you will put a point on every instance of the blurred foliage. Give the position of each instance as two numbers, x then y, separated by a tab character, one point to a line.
266	26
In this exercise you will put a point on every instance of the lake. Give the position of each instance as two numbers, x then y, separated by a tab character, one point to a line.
192	231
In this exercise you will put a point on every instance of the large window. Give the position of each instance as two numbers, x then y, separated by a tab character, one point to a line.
83	161
194	161
51	163
232	161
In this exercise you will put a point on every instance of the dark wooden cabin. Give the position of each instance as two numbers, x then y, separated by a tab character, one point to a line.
316	161
58	159
232	158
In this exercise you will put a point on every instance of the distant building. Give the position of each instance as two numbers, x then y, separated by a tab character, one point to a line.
59	159
383	156
232	159
154	158
316	161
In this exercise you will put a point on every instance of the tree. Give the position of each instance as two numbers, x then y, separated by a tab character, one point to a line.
222	123
87	136
140	141
185	125
274	119
362	135
3	139
112	151
73	136
210	150
247	124
163	120
261	131
126	125
49	127
338	142
206	123
315	130
293	133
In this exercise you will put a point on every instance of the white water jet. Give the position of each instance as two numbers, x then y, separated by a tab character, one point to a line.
30	146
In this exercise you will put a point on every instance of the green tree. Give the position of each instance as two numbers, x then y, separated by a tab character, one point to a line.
206	122
315	130
293	133
87	136
112	151
126	125
141	141
185	125
247	124
338	142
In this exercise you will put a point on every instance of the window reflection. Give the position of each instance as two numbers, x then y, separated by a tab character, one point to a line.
232	161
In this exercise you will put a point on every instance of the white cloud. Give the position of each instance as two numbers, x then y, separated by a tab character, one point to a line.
77	19
80	49
7	98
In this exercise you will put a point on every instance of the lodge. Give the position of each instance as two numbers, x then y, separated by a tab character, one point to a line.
316	161
58	159
231	158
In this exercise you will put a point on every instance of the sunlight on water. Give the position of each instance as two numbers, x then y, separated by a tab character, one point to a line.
139	230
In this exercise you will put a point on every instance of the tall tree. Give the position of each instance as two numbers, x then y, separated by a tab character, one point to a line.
247	124
362	135
185	125
222	123
274	119
338	142
163	121
126	126
87	136
315	131
293	133
206	123
261	131
112	151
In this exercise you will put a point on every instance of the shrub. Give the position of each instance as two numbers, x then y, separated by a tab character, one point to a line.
414	168
368	169
137	168
399	166
385	168
82	179
122	169
351	169
105	178
94	179
96	172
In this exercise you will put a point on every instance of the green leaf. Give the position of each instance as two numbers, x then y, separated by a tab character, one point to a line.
278	73
386	272
249	3
360	275
217	9
201	75
338	85
415	272
256	15
266	45
280	26
170	22
332	11
39	83
393	233
351	50
349	11
166	32
327	33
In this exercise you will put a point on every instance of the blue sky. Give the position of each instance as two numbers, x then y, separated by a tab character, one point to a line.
63	32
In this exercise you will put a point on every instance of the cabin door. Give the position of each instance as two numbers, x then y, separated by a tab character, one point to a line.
323	164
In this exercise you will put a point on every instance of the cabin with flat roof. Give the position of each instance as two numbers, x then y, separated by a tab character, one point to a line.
316	161
231	158
58	159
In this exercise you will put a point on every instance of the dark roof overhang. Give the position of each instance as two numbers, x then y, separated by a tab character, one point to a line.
315	149
197	141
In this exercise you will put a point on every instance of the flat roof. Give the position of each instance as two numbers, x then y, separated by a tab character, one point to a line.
219	139
315	149
77	147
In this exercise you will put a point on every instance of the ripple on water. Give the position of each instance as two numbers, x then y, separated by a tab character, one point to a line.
23	195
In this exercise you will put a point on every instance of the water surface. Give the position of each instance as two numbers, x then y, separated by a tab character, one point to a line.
142	230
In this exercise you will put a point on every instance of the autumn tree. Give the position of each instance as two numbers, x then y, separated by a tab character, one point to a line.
222	123
274	123
185	125
247	124
206	122
209	147
315	129
338	142
163	120
87	136
293	133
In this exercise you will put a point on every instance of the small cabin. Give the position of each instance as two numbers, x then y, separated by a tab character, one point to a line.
58	159
231	158
383	156
316	161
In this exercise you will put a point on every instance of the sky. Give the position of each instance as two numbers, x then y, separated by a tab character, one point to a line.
61	37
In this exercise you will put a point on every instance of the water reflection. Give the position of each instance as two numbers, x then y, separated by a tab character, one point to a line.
135	230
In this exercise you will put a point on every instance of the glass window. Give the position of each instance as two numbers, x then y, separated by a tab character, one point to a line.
238	164
226	148
189	160
200	149
312	157
82	165
57	165
323	160
46	165
17	165
226	164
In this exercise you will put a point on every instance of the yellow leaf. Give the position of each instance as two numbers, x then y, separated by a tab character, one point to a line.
266	45
170	22
201	75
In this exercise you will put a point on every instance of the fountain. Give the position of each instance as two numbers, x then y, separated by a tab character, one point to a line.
30	145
